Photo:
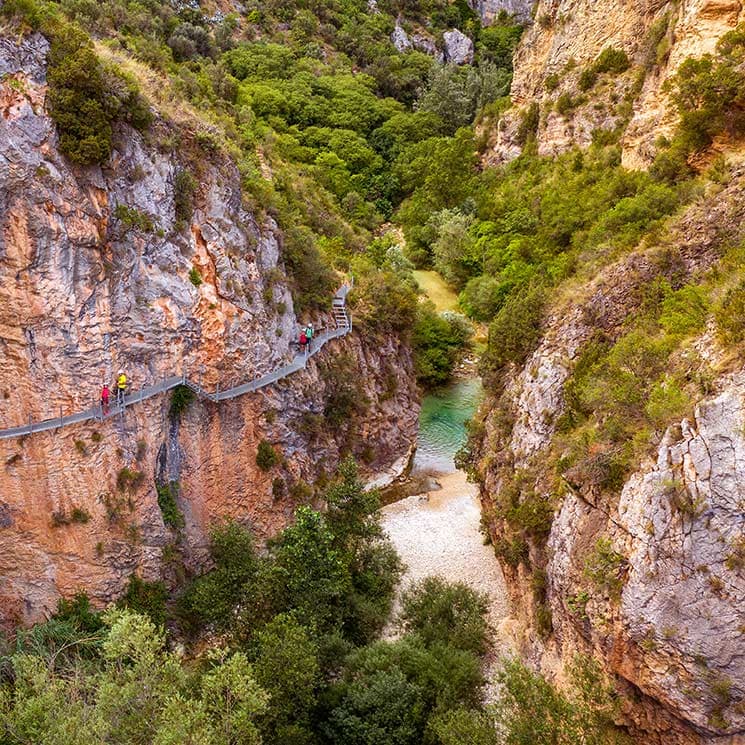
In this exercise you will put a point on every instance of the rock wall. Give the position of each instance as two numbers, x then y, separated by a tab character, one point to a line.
489	10
673	636
95	276
568	36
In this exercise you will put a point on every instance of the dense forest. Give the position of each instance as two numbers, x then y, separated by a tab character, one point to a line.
284	646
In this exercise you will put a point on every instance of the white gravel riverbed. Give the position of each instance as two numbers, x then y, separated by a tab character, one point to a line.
438	534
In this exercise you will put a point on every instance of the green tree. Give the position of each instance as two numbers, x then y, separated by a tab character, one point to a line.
233	698
308	573
381	709
287	668
447	613
454	248
213	597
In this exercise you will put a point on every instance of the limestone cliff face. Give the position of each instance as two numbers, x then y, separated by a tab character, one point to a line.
489	10
568	36
673	634
95	276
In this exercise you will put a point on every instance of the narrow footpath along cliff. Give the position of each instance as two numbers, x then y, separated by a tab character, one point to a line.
152	264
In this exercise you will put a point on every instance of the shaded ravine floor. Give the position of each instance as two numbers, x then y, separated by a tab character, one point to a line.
438	534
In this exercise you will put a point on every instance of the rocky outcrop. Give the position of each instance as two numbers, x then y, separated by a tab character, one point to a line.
400	39
112	267
426	44
669	623
458	47
569	35
675	633
489	10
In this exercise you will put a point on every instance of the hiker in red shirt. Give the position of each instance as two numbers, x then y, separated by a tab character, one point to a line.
303	341
105	399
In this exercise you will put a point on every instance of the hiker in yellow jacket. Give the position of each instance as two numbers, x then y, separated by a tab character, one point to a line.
121	386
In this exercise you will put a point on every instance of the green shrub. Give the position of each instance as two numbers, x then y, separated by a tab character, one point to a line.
730	316
169	508
684	312
656	46
708	93
604	568
515	331
446	613
461	726
129	480
195	277
184	189
565	103
80	515
612	60
533	514
344	396
266	456
79	613
551	83
587	79
147	598
514	551
279	487
85	97
667	403
529	121
531	711
131	217
181	399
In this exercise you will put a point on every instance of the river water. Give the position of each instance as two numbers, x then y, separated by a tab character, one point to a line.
442	429
438	533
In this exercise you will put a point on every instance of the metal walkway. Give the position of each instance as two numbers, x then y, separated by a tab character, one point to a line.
343	322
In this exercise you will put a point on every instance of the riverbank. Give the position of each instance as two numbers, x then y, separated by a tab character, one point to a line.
437	533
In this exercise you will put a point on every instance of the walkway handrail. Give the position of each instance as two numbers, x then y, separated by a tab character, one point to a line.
344	326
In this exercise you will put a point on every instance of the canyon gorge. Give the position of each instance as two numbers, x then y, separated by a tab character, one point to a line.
572	171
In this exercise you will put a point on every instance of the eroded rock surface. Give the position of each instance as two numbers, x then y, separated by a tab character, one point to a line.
489	10
458	47
95	272
400	39
673	636
567	38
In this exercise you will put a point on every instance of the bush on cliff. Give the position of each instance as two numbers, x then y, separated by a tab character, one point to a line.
85	97
530	711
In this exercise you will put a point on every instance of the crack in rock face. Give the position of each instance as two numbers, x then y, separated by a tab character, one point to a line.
684	523
676	632
84	292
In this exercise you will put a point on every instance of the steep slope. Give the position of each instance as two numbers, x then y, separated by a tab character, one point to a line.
568	38
626	548
154	265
